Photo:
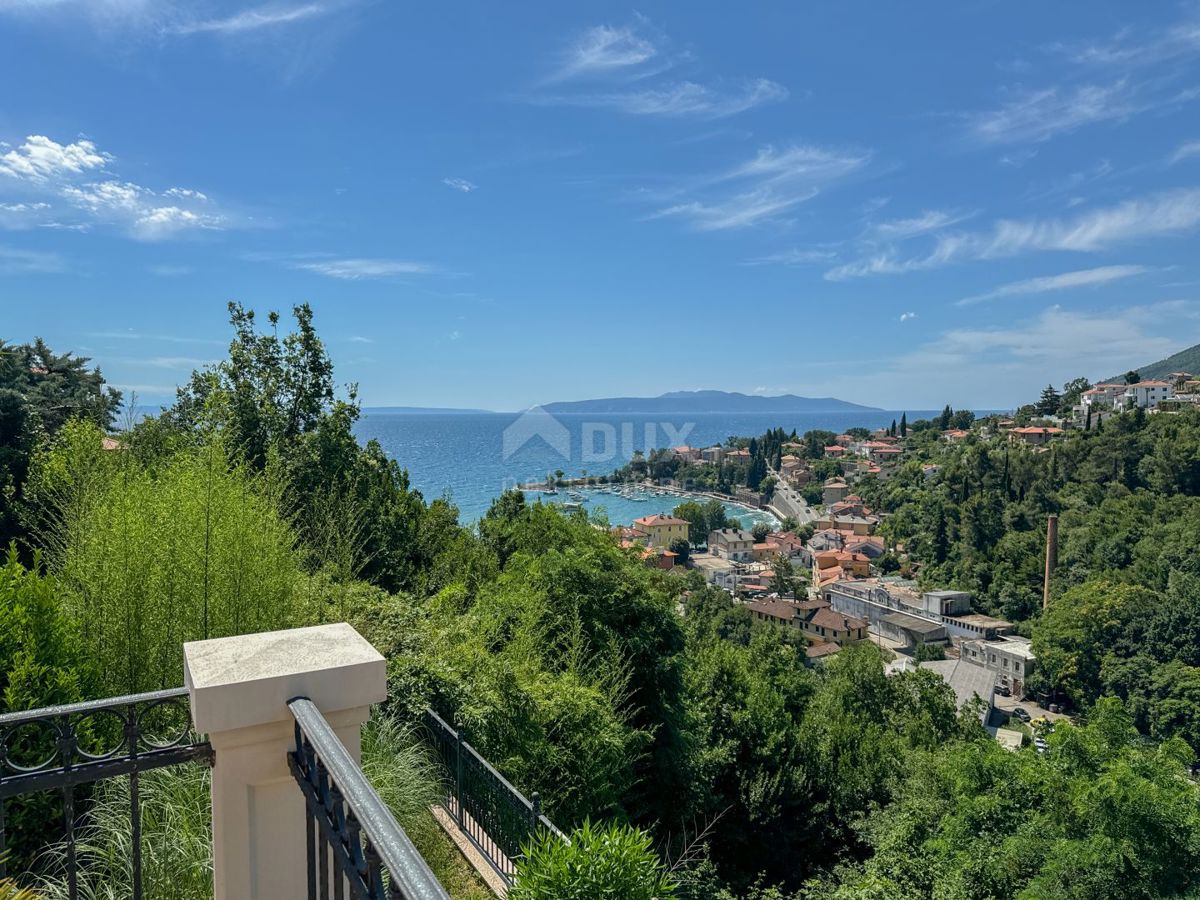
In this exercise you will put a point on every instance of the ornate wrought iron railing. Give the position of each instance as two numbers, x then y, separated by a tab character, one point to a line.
59	748
496	818
352	837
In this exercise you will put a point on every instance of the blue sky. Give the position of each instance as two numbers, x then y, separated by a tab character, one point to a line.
495	205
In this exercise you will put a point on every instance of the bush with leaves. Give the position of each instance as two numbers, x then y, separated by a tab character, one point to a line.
599	861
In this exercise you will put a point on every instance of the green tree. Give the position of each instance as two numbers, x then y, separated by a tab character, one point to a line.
904	424
1133	376
1049	402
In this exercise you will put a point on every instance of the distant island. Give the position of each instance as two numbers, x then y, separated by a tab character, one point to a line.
708	402
418	410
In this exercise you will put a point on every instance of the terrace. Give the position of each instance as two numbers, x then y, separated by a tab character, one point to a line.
278	718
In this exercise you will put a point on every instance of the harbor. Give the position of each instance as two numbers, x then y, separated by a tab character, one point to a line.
624	503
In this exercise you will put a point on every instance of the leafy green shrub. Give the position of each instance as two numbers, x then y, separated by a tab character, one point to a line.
600	861
151	555
41	664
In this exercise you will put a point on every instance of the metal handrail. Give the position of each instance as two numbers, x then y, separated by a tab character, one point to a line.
59	736
351	820
487	809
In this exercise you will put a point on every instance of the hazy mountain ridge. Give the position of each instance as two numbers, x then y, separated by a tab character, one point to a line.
707	402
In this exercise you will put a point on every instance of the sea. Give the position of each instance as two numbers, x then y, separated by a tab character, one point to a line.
472	457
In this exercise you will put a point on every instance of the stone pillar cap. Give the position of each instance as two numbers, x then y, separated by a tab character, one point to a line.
247	680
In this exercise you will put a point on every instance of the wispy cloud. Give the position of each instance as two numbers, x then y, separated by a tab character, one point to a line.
797	256
459	184
1033	116
764	187
997	367
927	221
1129	50
623	54
359	269
16	261
684	99
605	49
1170	212
162	18
256	19
906	316
359	339
1062	282
131	335
1188	150
57	193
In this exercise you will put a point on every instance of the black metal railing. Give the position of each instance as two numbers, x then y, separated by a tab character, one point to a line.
60	748
496	818
352	837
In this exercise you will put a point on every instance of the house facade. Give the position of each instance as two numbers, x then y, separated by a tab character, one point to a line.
662	529
732	544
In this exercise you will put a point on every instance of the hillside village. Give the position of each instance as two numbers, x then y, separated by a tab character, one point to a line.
830	574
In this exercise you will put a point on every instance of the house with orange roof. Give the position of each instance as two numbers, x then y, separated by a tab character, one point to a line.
835	451
1034	435
819	622
662	529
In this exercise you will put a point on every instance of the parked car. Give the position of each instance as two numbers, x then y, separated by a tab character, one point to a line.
1020	713
1003	690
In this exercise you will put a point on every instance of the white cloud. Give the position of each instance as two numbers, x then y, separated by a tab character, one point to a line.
359	339
684	99
1035	116
15	261
1188	150
1166	213
626	54
460	184
1002	366
184	193
164	221
253	19
455	335
1181	39
1062	282
605	49
927	221
769	184
358	269
794	257
40	159
905	316
53	177
23	207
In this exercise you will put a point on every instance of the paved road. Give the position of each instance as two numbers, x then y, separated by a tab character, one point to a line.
792	501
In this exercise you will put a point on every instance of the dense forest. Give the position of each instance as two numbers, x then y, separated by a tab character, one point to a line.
648	710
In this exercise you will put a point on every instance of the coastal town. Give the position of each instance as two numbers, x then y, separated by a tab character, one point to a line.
829	571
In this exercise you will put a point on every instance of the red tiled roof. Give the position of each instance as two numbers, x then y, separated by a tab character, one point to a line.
825	648
659	519
835	621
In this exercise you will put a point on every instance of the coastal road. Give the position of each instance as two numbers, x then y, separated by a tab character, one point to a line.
791	501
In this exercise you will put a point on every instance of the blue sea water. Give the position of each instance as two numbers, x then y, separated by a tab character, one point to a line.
466	455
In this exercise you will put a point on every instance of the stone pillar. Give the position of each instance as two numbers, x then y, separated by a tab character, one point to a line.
239	689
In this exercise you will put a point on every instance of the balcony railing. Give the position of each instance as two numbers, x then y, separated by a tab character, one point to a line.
348	825
496	819
341	840
59	748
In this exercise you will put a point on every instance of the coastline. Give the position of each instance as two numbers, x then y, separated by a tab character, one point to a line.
681	493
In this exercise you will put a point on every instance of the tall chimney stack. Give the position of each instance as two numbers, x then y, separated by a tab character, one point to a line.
1051	556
